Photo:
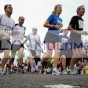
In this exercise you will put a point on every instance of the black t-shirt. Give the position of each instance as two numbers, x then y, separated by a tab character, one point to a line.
77	23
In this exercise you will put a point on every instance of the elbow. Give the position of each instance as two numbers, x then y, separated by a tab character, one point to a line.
44	25
69	28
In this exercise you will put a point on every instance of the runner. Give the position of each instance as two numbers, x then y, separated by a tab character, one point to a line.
33	48
63	50
6	25
76	27
17	41
52	40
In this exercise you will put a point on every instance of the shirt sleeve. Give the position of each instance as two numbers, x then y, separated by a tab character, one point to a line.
50	18
73	20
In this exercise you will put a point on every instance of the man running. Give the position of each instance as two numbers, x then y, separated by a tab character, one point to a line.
6	25
34	43
76	27
17	41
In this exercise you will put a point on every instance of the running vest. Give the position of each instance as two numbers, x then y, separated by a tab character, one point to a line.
6	26
19	38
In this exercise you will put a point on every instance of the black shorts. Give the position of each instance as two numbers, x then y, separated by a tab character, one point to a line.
5	44
52	38
15	47
37	59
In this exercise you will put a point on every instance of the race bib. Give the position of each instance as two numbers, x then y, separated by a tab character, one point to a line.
81	24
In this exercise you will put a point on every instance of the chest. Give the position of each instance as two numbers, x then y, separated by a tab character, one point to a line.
20	29
56	20
33	37
7	22
79	23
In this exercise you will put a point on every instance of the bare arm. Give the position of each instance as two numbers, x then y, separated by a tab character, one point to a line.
48	25
62	30
75	31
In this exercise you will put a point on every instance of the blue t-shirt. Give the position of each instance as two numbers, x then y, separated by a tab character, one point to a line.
64	39
54	19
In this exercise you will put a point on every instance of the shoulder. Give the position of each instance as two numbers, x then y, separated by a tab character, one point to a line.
24	27
60	19
51	15
74	17
37	35
16	24
1	15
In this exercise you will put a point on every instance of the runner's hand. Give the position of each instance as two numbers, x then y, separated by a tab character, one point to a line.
84	33
57	26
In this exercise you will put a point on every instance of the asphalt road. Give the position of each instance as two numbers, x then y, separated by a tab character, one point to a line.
43	81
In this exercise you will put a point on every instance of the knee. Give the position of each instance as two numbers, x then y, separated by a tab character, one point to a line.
82	53
63	58
76	55
6	54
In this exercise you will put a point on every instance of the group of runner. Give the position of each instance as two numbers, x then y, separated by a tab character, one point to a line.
12	37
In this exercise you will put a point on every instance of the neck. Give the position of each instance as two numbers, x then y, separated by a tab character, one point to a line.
57	14
79	15
8	15
20	24
33	33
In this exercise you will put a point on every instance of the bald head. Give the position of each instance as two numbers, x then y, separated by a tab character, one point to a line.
21	20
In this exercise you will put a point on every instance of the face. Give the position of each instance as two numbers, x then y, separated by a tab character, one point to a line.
81	11
21	20
59	9
34	31
9	9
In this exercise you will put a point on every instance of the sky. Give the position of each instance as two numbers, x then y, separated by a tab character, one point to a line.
37	11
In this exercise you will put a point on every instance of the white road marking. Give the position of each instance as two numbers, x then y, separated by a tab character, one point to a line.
61	86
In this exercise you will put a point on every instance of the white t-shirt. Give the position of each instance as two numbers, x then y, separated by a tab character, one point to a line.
33	39
6	25
19	38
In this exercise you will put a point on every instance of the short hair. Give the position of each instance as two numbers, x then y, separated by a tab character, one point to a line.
79	8
5	7
34	28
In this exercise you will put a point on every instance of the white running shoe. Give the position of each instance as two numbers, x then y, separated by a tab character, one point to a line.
73	72
56	72
64	72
